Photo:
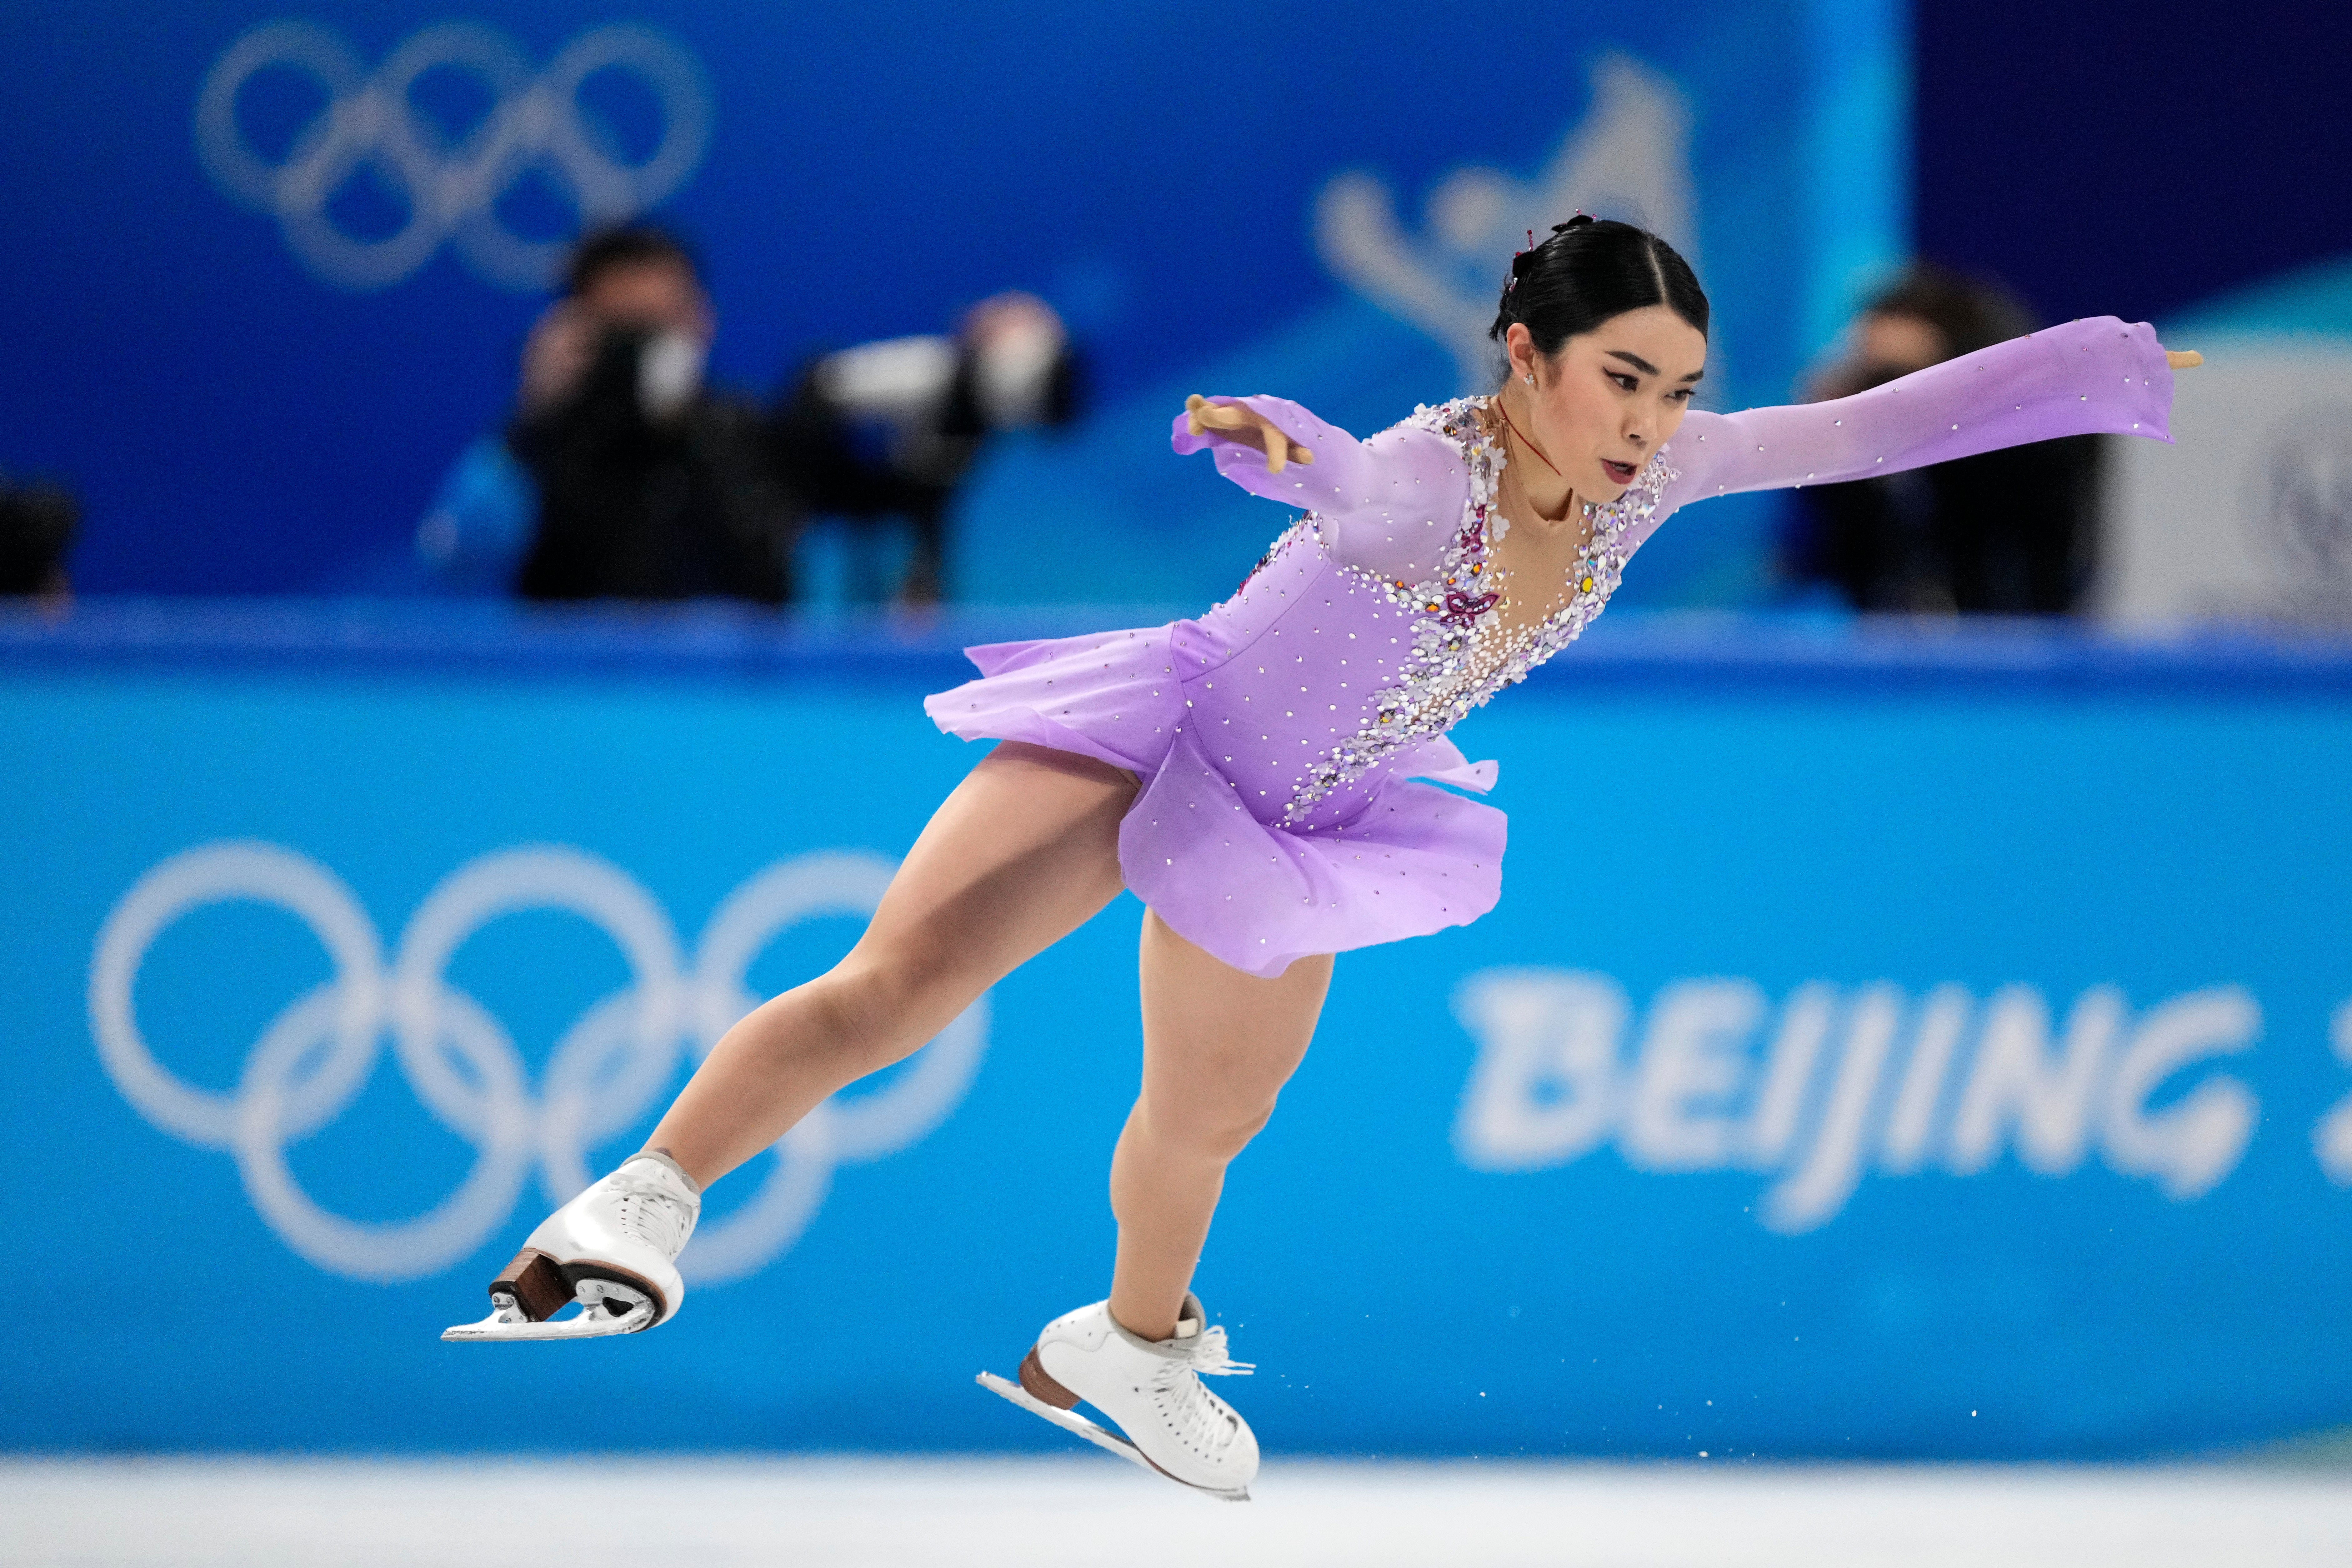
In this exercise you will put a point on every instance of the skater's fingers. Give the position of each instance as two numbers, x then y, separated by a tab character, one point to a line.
1279	447
1271	440
1243	425
2181	359
1231	421
1223	415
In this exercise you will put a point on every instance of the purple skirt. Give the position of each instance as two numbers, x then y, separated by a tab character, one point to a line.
1399	857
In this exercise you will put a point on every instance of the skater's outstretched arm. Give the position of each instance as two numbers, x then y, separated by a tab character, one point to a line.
2099	375
1390	505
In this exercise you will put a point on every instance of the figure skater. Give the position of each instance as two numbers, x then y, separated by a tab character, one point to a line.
1266	778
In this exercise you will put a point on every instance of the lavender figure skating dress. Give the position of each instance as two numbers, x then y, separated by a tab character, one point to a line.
1292	741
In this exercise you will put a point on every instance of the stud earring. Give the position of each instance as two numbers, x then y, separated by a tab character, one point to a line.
1529	380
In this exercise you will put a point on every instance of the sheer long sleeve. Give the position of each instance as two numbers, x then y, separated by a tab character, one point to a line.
2099	375
1389	504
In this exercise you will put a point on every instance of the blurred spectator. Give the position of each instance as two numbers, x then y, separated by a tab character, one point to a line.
2005	532
649	487
37	527
890	429
622	475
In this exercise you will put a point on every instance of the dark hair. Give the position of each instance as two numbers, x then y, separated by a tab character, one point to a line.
1590	270
604	250
1970	313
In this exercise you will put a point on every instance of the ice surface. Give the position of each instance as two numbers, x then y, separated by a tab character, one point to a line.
857	1513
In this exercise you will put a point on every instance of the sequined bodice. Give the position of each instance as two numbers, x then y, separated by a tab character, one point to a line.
1339	662
1378	665
1475	652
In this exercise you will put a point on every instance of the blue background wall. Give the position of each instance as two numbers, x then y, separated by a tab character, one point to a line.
237	425
2131	159
1482	1221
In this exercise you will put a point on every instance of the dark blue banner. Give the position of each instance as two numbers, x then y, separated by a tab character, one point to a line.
270	271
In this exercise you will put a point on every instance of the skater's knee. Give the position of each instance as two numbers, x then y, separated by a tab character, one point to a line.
1218	1130
881	1009
857	1006
1230	1137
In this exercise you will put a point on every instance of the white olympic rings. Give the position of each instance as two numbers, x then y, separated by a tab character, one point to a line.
312	1061
536	122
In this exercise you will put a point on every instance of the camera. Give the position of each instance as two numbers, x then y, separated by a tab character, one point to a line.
636	377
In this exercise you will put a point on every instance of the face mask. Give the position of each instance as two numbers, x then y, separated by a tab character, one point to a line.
669	373
1014	374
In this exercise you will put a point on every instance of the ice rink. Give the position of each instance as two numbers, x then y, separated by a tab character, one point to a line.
866	1513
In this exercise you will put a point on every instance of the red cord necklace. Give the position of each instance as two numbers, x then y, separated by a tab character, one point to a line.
1501	408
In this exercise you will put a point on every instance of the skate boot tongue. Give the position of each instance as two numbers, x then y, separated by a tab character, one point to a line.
1195	1344
657	1201
656	1165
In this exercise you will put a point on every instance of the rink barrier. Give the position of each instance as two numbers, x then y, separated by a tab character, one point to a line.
1893	1040
1628	649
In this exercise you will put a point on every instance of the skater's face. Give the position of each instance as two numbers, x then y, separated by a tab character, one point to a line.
1610	397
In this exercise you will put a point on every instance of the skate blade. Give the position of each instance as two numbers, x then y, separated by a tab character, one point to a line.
578	1325
1099	1436
592	1321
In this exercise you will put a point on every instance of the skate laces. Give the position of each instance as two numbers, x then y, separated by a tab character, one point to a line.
1207	1352
652	1213
1204	1421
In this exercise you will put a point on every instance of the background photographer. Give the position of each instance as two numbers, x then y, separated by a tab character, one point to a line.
2006	532
649	487
621	475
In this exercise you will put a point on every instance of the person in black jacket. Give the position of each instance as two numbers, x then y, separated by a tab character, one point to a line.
649	487
2006	532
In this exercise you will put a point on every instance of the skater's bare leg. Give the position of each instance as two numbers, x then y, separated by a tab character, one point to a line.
1023	852
1218	1045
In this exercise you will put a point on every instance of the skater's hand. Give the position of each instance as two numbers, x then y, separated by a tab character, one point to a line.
1244	426
2181	359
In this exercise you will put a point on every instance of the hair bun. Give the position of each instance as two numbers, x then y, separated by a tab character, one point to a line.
1587	270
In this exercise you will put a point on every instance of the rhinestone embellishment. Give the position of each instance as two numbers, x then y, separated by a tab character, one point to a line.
1461	656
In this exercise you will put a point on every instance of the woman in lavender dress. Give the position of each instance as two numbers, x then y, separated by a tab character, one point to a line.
1269	779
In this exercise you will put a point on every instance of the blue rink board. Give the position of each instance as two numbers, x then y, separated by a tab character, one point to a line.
1886	1046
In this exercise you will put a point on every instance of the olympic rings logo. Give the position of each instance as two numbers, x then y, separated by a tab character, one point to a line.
451	189
313	1059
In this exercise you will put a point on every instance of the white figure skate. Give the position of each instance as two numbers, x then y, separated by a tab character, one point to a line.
1162	1417
614	1250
